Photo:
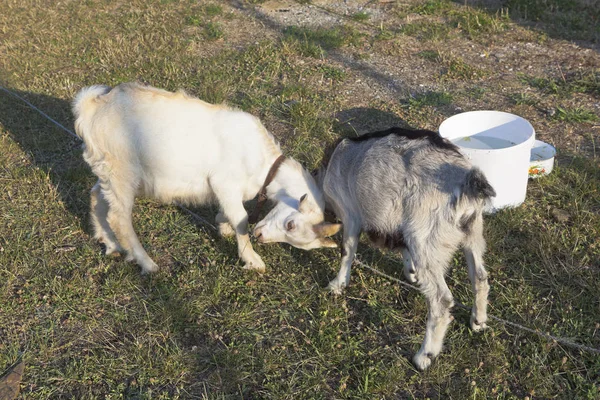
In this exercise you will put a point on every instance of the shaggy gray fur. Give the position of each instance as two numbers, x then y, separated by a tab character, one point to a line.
414	192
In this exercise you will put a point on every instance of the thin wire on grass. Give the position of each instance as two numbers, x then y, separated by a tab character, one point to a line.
557	339
70	132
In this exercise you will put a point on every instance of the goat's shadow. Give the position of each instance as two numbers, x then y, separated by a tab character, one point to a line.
359	120
49	147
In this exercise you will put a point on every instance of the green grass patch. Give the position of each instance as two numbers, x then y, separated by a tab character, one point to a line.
384	33
212	31
587	82
476	92
212	10
360	16
431	7
327	38
577	114
475	23
569	19
457	68
426	30
314	42
433	99
522	98
430	55
333	73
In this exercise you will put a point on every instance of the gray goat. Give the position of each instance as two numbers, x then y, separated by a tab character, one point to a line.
412	191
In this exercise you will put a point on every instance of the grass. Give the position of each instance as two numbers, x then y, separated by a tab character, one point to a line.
434	99
471	22
457	68
361	16
212	10
426	31
453	67
91	327
333	73
212	31
477	23
521	99
313	42
431	7
430	55
577	114
587	81
570	19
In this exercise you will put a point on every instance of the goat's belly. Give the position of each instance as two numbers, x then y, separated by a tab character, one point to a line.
392	241
169	190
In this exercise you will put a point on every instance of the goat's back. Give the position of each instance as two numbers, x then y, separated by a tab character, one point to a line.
171	143
395	176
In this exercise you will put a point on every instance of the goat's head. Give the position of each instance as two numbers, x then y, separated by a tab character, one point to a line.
299	223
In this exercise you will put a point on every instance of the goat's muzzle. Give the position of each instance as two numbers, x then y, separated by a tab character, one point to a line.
258	234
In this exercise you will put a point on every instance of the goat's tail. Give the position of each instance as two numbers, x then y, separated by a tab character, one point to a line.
476	186
84	105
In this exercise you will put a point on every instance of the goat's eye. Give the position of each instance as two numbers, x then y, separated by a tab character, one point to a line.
290	225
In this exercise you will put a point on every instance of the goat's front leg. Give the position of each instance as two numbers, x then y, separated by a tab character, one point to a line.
234	212
410	272
350	243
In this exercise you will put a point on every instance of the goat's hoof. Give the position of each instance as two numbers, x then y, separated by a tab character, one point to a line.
412	277
336	287
422	360
149	267
256	264
257	268
226	230
112	251
477	326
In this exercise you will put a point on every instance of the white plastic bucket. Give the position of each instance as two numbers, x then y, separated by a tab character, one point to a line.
499	144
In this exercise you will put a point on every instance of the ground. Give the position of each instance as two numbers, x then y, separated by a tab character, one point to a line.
89	326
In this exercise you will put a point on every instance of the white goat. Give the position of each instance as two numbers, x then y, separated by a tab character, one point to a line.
144	141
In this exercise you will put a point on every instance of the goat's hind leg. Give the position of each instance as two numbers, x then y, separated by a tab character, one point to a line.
225	228
440	301
473	249
121	200
102	231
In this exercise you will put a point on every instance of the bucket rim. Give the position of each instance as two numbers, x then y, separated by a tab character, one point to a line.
526	143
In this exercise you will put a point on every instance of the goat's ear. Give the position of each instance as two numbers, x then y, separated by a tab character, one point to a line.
304	206
326	242
325	229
